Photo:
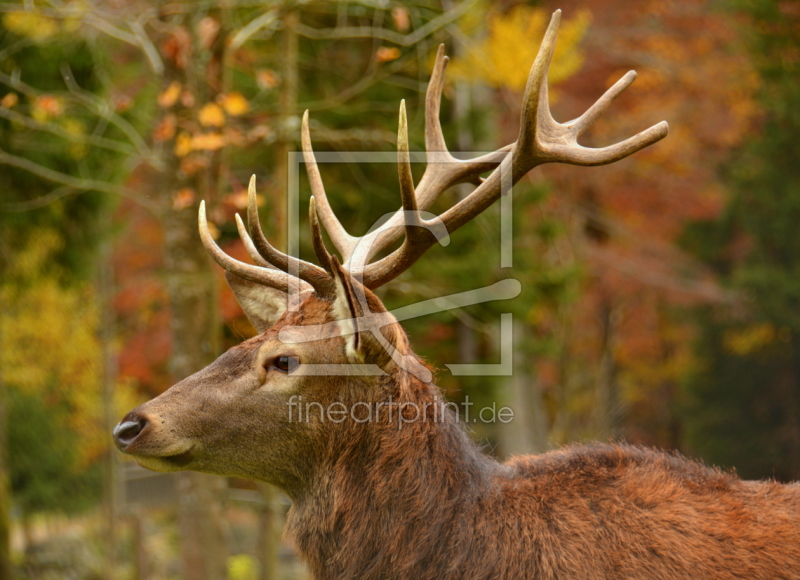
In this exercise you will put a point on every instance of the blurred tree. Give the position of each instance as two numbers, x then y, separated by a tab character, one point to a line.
743	406
31	124
5	484
55	433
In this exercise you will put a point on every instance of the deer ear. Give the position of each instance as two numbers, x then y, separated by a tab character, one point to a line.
262	305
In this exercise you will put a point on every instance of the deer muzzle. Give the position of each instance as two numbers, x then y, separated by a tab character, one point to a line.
144	437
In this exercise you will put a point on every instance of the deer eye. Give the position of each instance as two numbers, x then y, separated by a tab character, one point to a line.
285	363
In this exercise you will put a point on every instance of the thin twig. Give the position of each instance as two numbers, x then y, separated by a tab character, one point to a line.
384	34
56	194
247	31
97	141
102	109
75	182
148	48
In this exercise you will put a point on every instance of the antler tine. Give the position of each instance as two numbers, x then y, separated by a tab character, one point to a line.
321	251
535	107
443	169
435	145
407	193
249	245
343	241
434	137
586	120
272	278
307	271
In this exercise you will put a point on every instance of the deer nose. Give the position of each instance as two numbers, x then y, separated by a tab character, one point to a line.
128	430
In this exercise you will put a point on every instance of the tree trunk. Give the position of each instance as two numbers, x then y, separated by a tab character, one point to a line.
269	519
609	404
191	284
5	491
195	327
141	561
105	285
527	432
204	552
268	533
5	479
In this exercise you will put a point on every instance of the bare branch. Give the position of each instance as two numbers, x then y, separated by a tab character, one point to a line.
96	141
55	195
76	183
246	32
102	109
148	48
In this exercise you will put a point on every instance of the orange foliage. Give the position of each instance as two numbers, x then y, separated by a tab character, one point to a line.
625	218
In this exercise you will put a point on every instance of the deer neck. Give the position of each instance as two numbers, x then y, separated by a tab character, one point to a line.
389	486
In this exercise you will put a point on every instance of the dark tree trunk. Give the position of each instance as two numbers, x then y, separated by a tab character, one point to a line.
5	476
105	285
191	286
195	327
610	406
5	493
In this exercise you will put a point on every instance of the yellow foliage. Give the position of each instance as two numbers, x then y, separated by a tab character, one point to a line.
183	144
37	27
211	115
242	567
503	59
76	128
208	142
745	341
234	104
9	100
170	95
47	107
387	53
214	230
50	348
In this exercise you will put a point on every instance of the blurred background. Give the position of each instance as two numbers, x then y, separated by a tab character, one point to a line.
661	294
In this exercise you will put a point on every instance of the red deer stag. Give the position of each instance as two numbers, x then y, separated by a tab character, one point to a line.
396	498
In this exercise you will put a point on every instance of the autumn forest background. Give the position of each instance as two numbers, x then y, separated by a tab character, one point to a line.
660	295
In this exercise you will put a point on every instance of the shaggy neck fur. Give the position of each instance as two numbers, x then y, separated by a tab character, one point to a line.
392	497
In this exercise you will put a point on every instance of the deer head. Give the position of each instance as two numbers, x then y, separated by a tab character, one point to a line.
324	336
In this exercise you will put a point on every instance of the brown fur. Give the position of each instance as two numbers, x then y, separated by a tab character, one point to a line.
376	501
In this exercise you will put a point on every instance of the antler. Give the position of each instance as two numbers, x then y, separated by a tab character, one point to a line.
541	140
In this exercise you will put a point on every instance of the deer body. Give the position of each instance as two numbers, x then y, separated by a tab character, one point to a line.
390	496
589	512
